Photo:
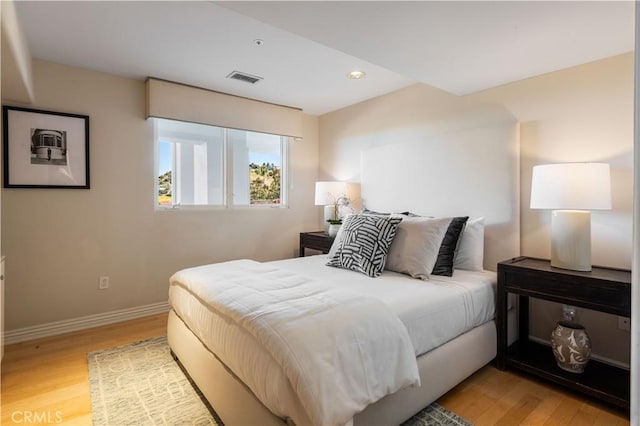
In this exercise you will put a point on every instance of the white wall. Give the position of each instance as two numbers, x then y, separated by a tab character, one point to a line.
58	242
583	113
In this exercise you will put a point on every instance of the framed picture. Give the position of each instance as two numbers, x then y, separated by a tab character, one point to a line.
45	149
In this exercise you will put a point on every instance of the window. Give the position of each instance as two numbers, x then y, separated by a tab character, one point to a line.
200	165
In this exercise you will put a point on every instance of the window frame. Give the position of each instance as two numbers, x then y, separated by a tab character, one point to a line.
227	174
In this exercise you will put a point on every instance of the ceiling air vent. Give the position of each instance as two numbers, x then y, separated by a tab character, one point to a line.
247	78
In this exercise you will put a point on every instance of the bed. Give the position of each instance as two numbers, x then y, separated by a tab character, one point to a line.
464	340
243	383
215	321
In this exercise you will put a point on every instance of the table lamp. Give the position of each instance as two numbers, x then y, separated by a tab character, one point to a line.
571	190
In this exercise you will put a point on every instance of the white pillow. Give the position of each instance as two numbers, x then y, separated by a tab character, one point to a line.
415	248
470	255
336	241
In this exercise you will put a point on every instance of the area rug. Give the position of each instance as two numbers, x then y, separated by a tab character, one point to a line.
141	384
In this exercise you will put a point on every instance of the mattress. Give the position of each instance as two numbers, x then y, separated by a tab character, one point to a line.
433	312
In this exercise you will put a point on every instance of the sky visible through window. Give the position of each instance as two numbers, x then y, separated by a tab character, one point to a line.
164	156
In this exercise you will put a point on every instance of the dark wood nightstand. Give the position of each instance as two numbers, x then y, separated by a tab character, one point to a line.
602	289
318	240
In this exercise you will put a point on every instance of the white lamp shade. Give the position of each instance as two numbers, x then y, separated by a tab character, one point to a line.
571	186
329	192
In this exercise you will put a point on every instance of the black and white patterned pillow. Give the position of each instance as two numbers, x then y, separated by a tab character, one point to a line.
365	243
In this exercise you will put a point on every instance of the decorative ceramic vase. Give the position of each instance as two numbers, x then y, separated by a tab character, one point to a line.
571	346
333	229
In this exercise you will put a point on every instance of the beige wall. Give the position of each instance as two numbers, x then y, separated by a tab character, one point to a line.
1	252
580	114
58	242
17	81
583	113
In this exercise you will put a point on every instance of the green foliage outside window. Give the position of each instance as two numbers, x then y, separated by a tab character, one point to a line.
264	183
164	189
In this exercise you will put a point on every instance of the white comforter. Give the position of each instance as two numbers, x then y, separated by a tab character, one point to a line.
339	350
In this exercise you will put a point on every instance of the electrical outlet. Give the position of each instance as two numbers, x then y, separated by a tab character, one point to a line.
624	323
104	283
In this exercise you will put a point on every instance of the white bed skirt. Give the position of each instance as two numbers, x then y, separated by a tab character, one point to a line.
440	370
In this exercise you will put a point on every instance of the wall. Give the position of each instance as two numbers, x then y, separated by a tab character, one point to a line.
58	242
635	290
581	114
421	177
1	252
584	113
17	81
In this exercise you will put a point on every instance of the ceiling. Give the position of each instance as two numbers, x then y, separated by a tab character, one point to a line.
309	47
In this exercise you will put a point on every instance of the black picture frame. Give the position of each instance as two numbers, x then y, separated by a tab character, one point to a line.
45	149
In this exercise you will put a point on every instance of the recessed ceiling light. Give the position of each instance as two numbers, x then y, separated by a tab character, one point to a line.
356	75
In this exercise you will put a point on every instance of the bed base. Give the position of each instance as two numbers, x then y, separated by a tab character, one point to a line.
440	370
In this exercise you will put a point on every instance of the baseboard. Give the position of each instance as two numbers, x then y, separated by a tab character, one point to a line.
593	356
82	323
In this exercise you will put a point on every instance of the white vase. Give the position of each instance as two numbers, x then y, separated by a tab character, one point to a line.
333	230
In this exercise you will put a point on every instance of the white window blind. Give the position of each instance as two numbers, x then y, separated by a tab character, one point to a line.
177	101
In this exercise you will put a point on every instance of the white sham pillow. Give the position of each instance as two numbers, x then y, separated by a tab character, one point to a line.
336	241
415	248
470	255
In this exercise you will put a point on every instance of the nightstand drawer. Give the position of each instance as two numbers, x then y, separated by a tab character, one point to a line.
602	289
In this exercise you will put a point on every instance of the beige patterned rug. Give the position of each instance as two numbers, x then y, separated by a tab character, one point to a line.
140	384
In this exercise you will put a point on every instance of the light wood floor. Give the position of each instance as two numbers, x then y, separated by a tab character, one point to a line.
48	378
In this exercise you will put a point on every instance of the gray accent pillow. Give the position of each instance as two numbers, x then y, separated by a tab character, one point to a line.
415	248
363	243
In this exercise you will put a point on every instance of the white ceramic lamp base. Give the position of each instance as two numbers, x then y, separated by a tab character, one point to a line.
329	214
571	239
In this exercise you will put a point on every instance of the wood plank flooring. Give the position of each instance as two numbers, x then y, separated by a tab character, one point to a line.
46	381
